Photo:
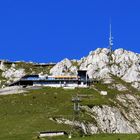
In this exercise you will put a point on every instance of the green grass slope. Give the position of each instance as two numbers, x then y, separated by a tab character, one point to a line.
23	116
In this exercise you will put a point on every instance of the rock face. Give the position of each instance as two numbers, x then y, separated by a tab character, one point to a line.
121	118
110	120
131	103
87	128
121	63
2	67
64	67
100	65
12	74
97	64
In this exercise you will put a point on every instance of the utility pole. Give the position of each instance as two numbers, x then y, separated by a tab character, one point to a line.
76	102
76	107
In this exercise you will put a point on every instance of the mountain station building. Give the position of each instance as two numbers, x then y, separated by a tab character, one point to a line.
80	80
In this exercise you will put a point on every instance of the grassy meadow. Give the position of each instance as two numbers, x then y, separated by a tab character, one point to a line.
23	116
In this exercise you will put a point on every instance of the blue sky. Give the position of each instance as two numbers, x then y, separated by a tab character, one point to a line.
51	30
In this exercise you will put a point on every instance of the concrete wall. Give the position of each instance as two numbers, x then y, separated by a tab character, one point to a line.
51	134
57	85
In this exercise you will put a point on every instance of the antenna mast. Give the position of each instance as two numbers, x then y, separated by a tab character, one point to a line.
110	38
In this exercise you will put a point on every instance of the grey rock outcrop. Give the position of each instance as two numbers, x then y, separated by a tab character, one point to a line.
110	120
100	65
124	117
65	67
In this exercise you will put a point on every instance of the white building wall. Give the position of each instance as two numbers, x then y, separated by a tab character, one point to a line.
51	134
56	85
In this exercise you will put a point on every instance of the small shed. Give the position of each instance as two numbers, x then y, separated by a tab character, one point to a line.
52	133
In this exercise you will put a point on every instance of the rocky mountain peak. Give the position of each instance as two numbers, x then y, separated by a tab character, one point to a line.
100	65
